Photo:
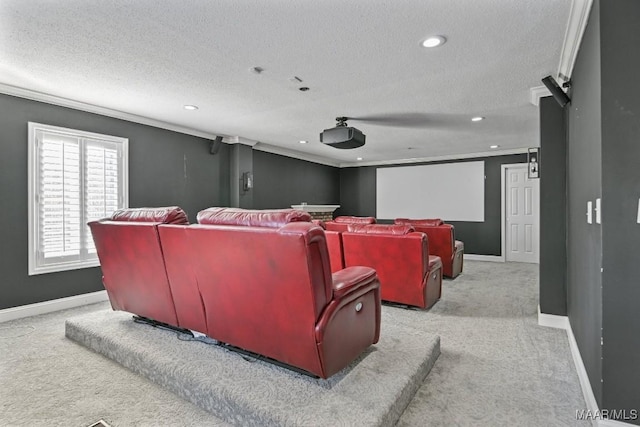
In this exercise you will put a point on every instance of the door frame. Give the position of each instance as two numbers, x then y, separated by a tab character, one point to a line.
503	209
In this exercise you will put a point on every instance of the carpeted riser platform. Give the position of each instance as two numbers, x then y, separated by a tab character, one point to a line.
372	391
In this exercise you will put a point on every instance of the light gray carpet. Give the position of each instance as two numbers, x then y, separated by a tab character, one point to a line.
373	391
496	368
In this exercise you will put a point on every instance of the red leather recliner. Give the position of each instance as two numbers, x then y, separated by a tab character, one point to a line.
265	286
133	267
400	256
442	242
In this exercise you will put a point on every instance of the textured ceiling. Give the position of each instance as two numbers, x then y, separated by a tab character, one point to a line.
359	58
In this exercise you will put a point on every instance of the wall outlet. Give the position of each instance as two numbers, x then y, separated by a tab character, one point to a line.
589	212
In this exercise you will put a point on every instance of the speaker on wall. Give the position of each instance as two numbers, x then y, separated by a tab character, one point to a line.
214	147
557	92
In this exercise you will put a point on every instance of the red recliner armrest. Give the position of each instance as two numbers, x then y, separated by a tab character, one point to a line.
351	279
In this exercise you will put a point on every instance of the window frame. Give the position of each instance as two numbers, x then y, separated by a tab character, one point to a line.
86	260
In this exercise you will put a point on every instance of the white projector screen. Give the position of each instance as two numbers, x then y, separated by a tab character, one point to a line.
450	191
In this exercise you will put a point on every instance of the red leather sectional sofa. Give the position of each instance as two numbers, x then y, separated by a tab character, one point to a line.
257	280
442	242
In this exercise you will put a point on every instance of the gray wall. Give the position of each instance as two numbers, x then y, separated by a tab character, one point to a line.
358	197
584	281
553	200
280	182
357	191
620	96
240	162
603	153
165	168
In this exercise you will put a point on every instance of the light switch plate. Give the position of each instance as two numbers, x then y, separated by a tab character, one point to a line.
589	212
638	211
598	211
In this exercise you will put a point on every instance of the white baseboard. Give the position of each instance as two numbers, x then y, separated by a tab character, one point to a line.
553	321
562	322
490	258
50	306
585	384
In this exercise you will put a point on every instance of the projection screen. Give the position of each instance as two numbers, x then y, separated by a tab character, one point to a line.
450	191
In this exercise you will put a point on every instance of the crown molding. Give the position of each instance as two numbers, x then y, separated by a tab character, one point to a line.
268	148
90	108
239	140
538	92
256	145
492	153
578	17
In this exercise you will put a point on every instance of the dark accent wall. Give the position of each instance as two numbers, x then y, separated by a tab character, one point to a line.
584	281
358	197
620	96
240	162
280	182
357	191
165	168
553	200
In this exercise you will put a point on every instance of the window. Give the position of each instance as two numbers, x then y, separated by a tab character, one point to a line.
74	177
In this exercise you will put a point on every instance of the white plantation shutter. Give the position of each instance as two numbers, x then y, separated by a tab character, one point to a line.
101	178
59	196
75	177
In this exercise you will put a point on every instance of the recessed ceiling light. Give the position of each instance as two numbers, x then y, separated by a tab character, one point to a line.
303	141
434	41
359	158
190	107
477	119
494	146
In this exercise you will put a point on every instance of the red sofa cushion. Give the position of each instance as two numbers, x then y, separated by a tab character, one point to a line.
165	215
273	218
395	230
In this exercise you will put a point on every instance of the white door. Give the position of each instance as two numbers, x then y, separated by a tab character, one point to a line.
522	233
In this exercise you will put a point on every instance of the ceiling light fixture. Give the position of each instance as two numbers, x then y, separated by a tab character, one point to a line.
359	158
494	146
434	41
191	107
477	119
303	141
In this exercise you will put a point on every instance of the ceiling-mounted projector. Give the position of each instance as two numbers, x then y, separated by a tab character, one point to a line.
342	136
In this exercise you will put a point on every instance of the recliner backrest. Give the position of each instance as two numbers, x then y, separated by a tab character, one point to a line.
131	257
251	275
346	219
399	255
249	217
341	223
388	229
429	222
